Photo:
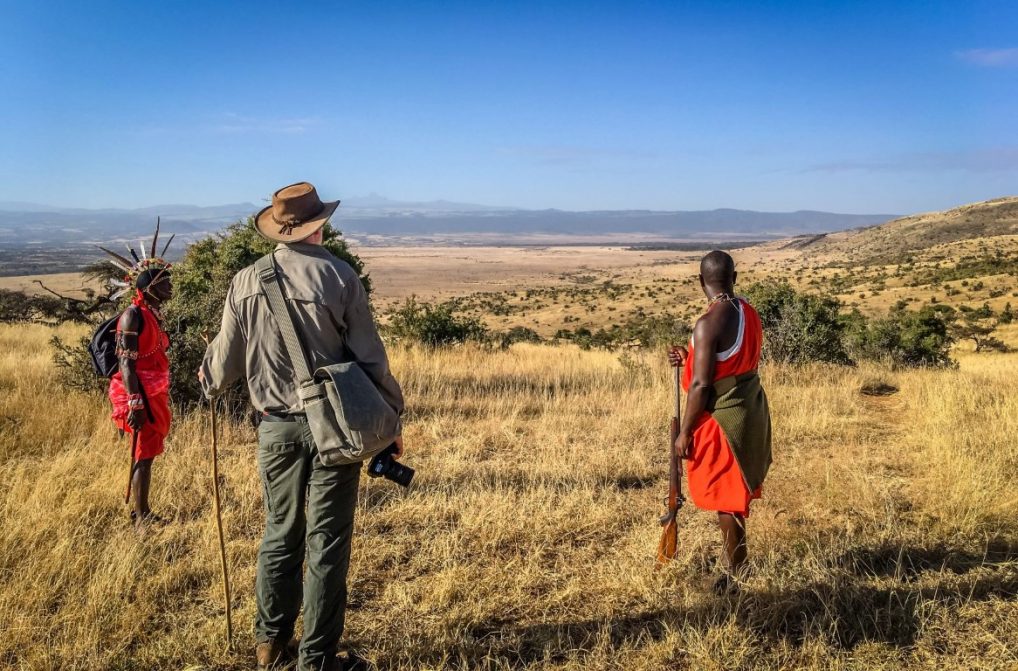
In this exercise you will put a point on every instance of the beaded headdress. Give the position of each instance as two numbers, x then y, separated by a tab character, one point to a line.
148	260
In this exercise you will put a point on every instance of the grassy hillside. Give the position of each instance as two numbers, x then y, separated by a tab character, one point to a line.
900	237
886	538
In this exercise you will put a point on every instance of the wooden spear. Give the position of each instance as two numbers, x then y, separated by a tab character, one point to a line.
130	474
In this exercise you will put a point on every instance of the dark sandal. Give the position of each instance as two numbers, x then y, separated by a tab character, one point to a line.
726	585
149	518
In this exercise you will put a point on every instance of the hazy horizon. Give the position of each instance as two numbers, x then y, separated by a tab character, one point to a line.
375	200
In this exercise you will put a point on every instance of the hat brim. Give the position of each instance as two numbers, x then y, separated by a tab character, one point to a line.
270	230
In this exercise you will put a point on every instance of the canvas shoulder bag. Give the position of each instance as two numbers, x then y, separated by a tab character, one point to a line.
348	417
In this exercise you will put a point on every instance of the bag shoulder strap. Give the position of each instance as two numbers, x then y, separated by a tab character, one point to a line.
269	278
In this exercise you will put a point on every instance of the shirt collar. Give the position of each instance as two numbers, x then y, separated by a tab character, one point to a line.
303	248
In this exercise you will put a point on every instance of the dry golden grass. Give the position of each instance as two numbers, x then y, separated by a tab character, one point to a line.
886	538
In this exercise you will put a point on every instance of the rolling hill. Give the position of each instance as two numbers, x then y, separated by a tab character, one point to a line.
889	241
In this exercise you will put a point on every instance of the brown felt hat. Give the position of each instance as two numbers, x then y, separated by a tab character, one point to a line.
296	212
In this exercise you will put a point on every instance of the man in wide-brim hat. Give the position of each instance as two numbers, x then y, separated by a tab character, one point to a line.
296	213
329	308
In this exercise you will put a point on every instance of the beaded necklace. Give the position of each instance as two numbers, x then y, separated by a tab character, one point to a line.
722	297
155	311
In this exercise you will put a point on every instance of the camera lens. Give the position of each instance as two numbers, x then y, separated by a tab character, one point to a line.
384	465
400	474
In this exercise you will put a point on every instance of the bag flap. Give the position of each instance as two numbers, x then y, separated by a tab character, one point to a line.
363	407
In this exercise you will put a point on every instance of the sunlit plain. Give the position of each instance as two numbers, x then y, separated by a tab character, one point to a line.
885	538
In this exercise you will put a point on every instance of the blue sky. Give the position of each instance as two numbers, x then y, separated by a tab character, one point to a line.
888	107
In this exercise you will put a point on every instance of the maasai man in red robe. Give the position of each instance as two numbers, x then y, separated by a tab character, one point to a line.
725	430
140	389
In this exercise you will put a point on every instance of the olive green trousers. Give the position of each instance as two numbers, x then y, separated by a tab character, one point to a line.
309	512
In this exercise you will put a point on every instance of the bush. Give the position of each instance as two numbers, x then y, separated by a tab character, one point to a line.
904	338
433	325
74	365
16	306
656	331
644	331
200	283
518	334
587	339
976	325
798	327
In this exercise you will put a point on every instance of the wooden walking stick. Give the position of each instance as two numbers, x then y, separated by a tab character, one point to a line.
219	524
670	534
130	475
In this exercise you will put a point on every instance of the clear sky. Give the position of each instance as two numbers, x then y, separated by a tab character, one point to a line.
864	106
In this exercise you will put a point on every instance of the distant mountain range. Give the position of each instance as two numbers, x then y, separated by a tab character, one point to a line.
29	224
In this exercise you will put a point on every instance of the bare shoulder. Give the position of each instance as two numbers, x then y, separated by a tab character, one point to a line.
130	319
705	328
712	320
715	324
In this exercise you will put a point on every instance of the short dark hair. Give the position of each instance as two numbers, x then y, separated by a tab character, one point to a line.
717	267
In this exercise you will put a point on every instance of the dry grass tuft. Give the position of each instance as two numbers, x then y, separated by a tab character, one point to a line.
886	538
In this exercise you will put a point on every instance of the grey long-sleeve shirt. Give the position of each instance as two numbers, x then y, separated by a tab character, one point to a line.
331	314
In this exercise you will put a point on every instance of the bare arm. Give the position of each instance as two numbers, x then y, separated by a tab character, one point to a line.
127	354
705	336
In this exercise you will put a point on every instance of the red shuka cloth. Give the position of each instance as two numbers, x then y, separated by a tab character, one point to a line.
715	479
153	370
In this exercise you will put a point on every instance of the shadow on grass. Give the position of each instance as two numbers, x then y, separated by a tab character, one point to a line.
843	611
517	481
909	563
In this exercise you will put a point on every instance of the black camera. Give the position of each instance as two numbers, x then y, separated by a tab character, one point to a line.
384	465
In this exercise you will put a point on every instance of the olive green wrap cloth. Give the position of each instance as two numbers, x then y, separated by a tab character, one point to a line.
740	409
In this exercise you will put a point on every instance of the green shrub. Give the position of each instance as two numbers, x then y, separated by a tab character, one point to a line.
798	327
588	339
976	325
74	365
17	306
433	325
906	338
518	334
642	330
655	331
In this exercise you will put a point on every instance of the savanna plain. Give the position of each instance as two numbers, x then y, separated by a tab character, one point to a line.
886	537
